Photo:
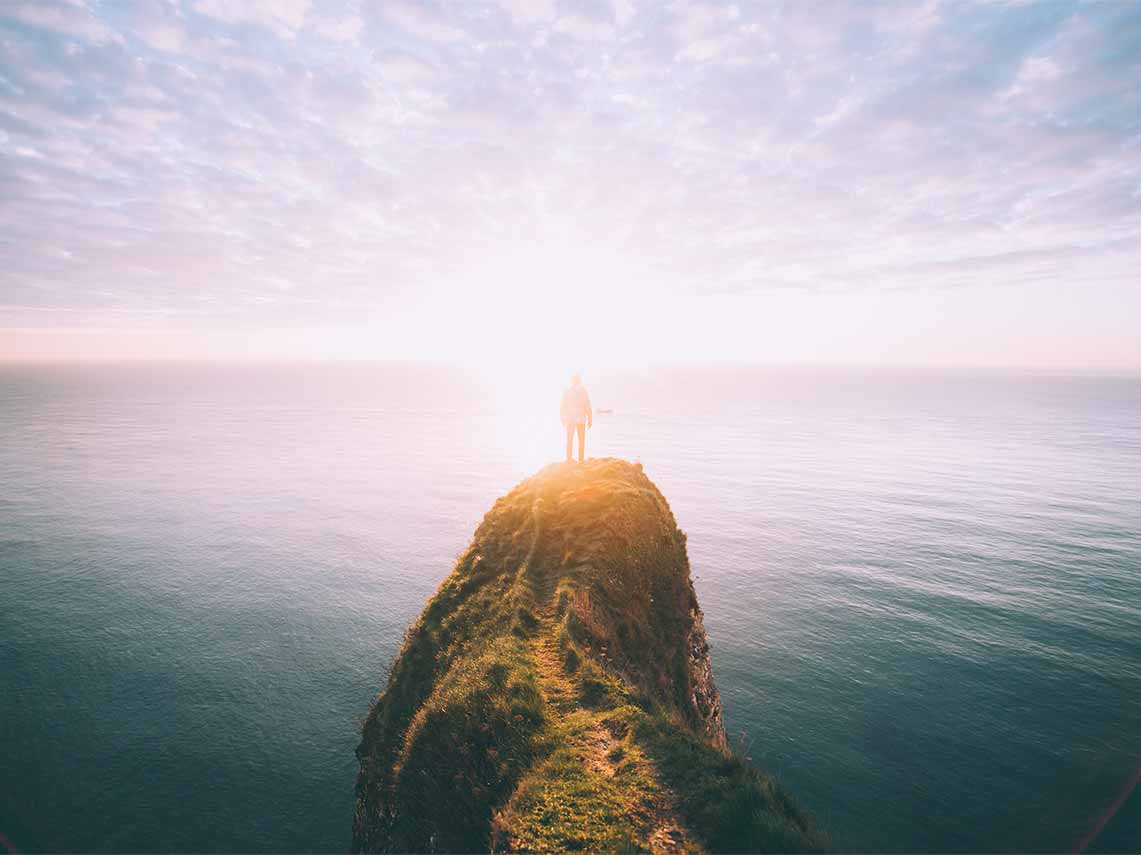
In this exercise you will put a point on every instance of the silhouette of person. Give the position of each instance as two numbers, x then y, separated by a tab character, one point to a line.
577	415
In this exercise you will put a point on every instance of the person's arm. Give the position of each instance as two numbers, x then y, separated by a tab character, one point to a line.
563	410
589	409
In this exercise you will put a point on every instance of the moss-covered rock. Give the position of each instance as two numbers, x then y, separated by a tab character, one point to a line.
556	693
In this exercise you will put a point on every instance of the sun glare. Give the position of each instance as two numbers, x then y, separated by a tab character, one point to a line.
532	317
549	310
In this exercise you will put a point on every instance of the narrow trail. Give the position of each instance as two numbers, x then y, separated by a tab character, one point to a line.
657	817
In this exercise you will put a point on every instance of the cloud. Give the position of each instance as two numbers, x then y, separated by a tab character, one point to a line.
339	29
404	67
421	20
73	20
266	159
283	17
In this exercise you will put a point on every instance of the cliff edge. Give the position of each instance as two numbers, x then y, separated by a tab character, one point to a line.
556	693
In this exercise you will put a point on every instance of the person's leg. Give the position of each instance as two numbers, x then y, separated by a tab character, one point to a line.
581	442
570	441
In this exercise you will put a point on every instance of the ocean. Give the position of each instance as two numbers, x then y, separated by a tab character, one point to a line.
922	588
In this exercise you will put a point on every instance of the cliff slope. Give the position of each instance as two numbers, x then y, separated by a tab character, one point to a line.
556	693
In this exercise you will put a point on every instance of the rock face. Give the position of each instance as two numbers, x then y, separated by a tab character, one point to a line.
557	693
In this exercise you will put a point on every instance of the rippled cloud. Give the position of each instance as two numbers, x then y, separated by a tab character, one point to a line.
280	159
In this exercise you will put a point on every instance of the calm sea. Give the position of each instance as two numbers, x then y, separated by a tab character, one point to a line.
923	590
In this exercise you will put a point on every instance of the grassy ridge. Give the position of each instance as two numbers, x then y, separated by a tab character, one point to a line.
556	694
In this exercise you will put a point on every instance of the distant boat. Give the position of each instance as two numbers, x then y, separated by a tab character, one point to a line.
603	410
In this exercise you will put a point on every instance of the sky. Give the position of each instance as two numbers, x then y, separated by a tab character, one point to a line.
598	182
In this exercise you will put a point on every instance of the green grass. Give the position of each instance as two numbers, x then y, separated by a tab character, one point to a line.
563	808
555	693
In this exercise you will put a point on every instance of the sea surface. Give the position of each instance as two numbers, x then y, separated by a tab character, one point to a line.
922	589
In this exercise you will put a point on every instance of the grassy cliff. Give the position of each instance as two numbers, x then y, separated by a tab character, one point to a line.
556	693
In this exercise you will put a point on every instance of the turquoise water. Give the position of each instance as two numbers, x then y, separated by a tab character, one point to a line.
923	590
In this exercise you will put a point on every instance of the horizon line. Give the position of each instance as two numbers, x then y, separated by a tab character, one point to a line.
264	362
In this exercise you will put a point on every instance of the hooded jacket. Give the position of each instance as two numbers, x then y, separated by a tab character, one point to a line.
575	409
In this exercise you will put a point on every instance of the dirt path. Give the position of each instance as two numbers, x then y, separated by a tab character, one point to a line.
656	817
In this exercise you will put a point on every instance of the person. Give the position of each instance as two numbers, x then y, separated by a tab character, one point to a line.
577	415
